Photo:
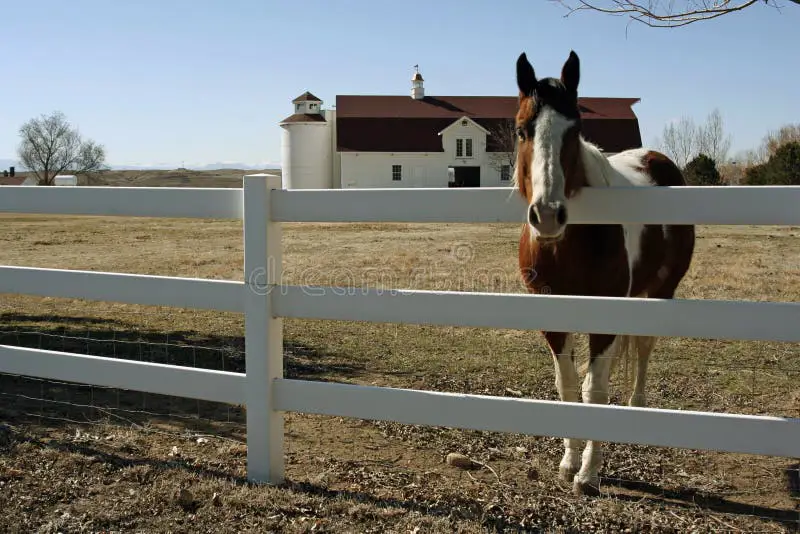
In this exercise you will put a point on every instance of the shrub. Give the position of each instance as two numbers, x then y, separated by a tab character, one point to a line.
785	164
782	168
756	175
702	170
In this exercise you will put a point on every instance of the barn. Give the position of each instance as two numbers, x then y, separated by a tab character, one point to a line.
417	140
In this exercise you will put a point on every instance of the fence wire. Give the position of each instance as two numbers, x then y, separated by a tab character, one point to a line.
75	403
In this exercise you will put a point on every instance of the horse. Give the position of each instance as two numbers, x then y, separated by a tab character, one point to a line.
554	163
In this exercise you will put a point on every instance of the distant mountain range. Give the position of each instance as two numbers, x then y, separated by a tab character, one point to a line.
6	163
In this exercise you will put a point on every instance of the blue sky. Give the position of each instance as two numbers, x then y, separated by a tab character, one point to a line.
171	81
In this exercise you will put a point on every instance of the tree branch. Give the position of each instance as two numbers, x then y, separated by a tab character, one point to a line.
654	14
503	137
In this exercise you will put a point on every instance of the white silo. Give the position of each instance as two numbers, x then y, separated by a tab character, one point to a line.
306	146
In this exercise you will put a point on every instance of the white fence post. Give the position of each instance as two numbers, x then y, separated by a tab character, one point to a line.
263	331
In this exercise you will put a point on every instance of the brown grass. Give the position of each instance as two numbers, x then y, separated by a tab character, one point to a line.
349	475
167	178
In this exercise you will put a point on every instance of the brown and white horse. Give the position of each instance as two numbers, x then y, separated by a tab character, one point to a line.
554	163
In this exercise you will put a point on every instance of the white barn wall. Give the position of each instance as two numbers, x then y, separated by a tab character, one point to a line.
429	169
374	169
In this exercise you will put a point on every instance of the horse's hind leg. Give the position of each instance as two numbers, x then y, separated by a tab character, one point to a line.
644	347
562	346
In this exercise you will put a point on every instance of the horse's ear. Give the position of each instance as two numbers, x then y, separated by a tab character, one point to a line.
571	72
526	78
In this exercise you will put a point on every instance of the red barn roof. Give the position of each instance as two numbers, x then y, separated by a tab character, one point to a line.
12	180
303	117
306	97
378	123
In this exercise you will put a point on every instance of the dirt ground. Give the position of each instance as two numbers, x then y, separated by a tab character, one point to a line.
78	458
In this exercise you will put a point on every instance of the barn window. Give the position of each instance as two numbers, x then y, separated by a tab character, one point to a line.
464	147
505	173
397	172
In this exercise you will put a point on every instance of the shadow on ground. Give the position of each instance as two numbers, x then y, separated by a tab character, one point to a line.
691	498
463	507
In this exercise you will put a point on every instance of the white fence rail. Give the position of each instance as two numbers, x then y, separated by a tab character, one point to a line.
762	205
198	293
263	206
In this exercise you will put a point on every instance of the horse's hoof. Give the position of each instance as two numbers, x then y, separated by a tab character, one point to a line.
589	488
637	401
566	474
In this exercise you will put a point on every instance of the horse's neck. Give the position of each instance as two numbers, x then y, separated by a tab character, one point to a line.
599	171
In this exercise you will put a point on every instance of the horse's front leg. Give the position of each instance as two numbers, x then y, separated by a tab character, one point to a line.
562	346
602	350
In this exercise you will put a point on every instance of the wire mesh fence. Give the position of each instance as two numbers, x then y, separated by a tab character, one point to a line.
53	400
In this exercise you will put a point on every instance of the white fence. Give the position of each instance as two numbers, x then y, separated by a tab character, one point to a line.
263	206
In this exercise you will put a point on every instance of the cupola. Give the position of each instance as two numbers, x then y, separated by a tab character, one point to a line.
417	91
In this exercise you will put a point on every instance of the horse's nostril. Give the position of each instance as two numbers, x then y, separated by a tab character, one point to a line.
533	218
561	215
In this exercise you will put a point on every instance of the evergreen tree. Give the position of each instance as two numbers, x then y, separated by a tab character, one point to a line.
702	170
782	168
756	175
784	165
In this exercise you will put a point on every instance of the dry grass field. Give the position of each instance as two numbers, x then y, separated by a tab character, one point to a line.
75	458
168	178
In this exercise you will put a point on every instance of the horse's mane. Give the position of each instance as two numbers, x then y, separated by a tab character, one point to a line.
595	164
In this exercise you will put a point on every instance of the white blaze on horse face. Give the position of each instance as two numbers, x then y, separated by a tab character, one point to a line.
547	175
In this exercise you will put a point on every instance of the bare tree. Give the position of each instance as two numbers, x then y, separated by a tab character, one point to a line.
747	157
50	146
664	13
776	139
734	172
683	140
679	141
503	137
711	139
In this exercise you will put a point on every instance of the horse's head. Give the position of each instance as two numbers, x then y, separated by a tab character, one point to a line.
548	125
